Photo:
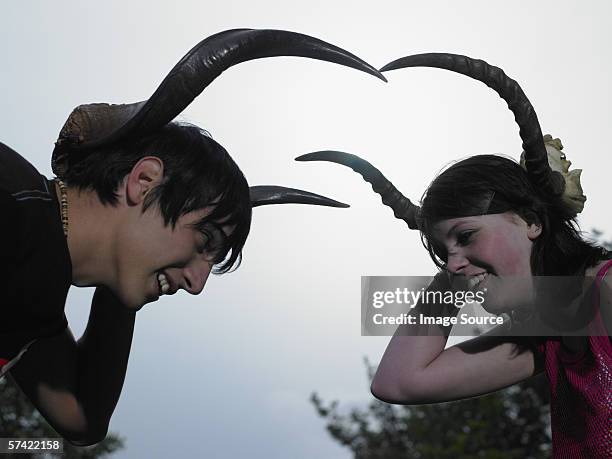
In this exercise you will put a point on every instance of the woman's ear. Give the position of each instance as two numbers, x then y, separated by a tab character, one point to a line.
534	230
533	221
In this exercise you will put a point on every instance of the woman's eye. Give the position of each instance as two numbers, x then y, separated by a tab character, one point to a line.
464	237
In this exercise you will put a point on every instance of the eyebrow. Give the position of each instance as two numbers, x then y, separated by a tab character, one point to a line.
450	231
448	235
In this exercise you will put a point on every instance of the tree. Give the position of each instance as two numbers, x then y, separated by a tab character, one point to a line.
19	419
508	424
598	237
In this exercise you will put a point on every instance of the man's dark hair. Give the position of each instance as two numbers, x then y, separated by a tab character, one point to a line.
198	173
490	184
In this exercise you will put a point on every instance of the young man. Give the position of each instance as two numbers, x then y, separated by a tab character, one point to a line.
141	208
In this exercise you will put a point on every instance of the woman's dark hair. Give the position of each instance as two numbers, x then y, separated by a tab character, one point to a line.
198	173
490	184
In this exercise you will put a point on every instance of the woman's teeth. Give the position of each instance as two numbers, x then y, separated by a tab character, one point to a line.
475	280
164	286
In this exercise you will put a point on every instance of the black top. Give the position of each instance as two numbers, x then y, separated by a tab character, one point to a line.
35	267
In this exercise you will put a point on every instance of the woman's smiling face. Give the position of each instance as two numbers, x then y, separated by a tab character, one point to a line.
491	253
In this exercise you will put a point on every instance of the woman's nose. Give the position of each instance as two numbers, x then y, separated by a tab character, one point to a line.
456	262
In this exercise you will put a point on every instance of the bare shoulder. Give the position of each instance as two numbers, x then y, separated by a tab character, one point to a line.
606	280
606	299
605	294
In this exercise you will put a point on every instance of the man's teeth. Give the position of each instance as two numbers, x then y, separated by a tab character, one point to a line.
474	281
164	286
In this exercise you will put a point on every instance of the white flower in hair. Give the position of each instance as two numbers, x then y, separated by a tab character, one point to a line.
573	196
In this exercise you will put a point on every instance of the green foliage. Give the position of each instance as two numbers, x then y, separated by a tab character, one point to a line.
19	419
508	424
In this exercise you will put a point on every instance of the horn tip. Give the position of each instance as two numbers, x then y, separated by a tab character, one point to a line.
314	156
389	66
381	76
367	68
333	203
398	64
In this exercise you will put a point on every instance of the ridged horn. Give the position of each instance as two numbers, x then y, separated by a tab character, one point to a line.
536	158
402	207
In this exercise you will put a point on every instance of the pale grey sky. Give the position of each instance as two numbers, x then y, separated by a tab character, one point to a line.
228	374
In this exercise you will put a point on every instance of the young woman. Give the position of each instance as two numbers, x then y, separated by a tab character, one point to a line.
496	225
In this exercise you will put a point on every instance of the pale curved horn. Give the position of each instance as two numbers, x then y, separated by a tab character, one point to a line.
94	125
262	195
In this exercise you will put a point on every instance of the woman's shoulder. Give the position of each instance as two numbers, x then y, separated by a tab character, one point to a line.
591	272
601	271
600	276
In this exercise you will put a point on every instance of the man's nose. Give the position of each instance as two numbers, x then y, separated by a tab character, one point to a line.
196	275
456	262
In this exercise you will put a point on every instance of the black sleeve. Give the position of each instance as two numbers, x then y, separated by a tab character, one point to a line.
10	224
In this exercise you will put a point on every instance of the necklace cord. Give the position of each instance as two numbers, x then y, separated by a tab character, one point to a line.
63	204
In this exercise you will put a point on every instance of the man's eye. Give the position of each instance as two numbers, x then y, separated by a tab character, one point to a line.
204	243
465	237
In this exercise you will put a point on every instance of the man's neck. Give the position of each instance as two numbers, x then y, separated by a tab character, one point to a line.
90	238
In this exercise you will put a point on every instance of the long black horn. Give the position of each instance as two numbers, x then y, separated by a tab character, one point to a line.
94	125
536	158
263	195
391	196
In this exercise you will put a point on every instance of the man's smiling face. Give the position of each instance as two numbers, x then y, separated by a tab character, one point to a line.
151	257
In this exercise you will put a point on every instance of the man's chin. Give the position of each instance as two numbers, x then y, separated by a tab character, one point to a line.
147	300
134	303
138	306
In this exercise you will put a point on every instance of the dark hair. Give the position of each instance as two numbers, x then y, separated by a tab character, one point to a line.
490	184
198	173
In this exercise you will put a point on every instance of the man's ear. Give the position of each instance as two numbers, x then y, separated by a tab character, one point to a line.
146	174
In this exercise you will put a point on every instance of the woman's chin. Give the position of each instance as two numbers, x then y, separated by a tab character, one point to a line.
496	308
504	295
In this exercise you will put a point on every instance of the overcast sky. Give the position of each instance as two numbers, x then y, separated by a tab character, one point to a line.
228	373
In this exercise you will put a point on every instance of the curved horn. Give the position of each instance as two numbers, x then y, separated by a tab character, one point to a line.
391	196
100	124
263	195
536	158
